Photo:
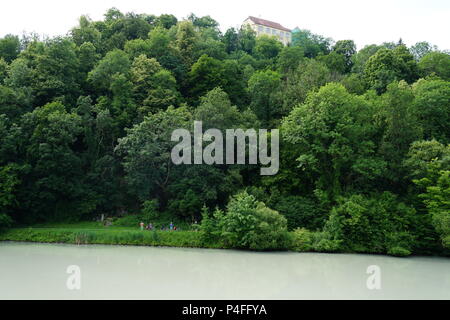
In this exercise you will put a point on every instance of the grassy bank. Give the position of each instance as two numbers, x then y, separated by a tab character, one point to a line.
92	234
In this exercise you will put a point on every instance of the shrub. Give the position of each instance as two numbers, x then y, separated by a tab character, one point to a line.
209	229
150	210
399	252
301	240
323	242
128	221
248	224
399	243
371	224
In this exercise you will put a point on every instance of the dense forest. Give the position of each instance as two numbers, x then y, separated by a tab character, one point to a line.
86	118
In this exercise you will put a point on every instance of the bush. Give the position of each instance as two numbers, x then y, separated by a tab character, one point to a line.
301	240
247	224
371	224
150	210
209	229
323	242
399	252
399	243
128	221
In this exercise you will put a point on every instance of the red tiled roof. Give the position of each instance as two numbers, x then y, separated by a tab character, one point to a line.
268	23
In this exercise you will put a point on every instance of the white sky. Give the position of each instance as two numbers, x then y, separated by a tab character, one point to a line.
363	21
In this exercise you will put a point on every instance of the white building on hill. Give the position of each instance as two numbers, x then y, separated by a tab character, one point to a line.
266	27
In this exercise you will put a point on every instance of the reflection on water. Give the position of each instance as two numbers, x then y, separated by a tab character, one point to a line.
38	271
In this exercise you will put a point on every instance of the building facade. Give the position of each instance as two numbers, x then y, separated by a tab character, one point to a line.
270	28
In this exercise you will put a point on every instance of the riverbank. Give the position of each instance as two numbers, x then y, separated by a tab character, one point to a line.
96	233
107	235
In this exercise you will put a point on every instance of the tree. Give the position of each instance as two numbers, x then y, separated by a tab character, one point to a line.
9	181
437	63
432	107
161	48
137	47
3	70
267	47
206	74
261	87
378	224
215	111
231	40
436	192
347	48
56	72
146	153
186	40
115	62
289	59
333	135
387	65
400	127
420	49
86	32
312	44
308	76
335	62
359	59
247	39
166	21
9	47
53	185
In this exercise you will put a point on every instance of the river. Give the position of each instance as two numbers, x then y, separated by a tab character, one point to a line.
39	271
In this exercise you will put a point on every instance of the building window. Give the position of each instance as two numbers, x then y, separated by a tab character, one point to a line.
260	28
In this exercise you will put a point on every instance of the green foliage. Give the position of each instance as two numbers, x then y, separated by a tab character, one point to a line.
376	224
267	47
334	61
249	224
346	48
129	220
308	76
9	47
388	65
332	135
115	62
150	210
262	87
113	236
289	59
312	44
5	221
205	75
146	151
437	63
437	200
420	49
299	211
301	240
86	122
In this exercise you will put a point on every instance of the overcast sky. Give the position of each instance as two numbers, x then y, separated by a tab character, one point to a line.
363	21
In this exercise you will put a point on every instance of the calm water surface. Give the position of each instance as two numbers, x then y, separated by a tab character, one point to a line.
38	271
